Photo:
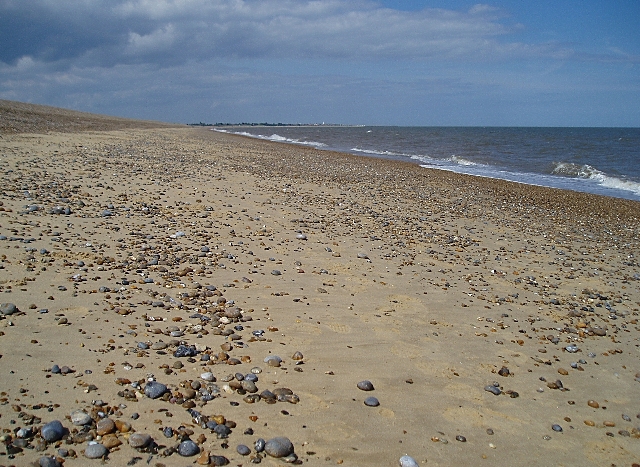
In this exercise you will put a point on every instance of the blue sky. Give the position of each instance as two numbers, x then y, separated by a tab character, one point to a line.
501	63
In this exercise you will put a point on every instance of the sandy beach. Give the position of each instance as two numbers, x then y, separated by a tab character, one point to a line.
195	292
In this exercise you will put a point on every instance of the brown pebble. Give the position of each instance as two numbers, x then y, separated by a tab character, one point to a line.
111	441
589	423
562	371
204	458
609	424
105	426
123	427
592	403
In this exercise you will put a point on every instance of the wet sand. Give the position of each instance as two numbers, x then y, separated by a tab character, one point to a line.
118	246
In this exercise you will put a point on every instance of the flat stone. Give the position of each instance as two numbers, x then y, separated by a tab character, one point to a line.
153	389
95	451
139	440
80	418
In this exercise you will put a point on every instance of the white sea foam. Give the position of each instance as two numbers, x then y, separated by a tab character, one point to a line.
588	172
274	137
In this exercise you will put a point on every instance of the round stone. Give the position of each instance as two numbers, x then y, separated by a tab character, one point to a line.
105	426
8	308
80	418
153	389
249	386
276	272
188	448
243	450
278	447
365	385
52	431
273	360
139	440
95	451
371	402
47	461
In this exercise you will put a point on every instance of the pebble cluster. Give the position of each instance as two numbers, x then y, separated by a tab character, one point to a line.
174	295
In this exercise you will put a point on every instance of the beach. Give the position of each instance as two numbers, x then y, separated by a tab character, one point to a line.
496	322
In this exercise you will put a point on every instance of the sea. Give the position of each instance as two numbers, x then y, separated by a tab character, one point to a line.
603	161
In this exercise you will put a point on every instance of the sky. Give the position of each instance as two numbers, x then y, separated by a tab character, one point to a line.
419	63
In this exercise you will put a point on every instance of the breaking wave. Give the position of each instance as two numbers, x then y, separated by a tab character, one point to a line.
274	137
588	172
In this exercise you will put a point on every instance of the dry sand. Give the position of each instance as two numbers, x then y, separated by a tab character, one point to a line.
429	284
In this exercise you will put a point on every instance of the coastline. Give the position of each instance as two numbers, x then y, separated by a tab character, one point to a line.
425	282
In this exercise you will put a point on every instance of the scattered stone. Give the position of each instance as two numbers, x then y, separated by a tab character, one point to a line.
365	385
139	440
52	431
371	402
8	309
153	389
95	451
188	448
278	447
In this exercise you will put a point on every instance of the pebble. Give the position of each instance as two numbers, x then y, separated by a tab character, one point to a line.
407	461
208	376
278	447
556	427
259	445
493	389
276	272
95	451
153	389
139	440
8	309
243	450
105	426
273	360
80	418
371	402
188	448
52	431
365	385
47	461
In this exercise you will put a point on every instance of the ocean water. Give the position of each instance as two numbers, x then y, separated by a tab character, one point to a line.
603	161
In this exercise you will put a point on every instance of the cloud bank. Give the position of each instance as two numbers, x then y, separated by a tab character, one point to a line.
258	58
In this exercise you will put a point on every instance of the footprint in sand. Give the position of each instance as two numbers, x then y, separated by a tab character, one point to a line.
339	328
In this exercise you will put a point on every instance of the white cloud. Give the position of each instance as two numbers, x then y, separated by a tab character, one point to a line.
157	41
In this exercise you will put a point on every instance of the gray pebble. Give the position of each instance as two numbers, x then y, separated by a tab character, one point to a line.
47	461
243	450
276	272
139	440
493	389
95	451
52	431
365	385
80	418
188	448
259	445
278	447
153	389
557	428
8	309
371	402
